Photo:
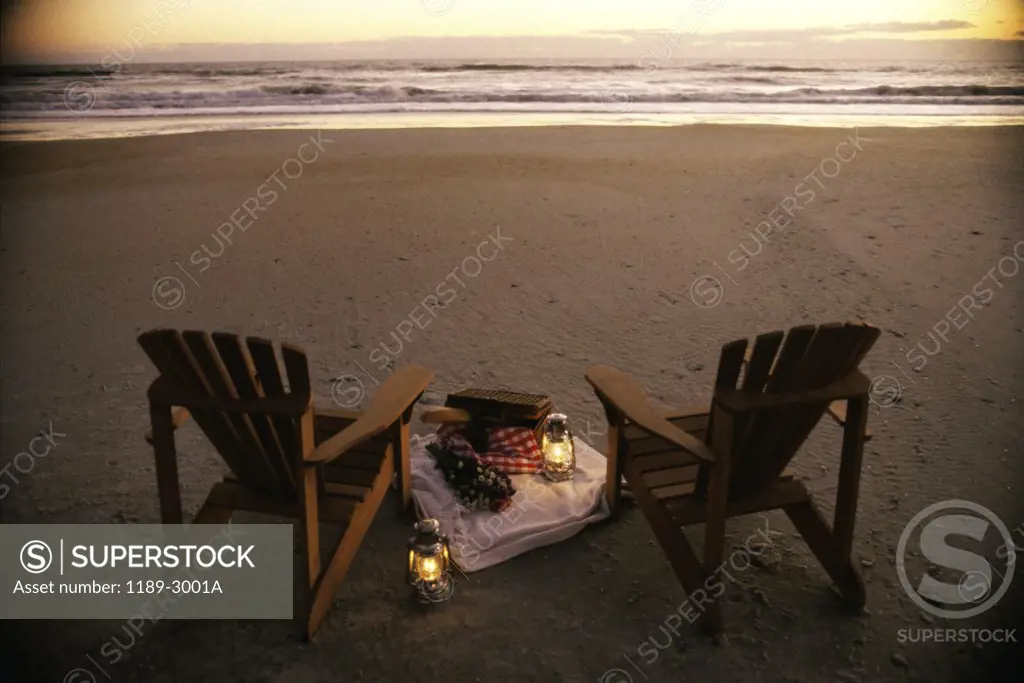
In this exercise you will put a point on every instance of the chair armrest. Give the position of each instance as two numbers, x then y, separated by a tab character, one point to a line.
390	404
178	418
440	416
735	401
618	390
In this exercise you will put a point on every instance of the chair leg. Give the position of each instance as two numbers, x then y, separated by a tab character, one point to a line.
816	532
162	424
618	451
309	491
323	591
684	560
717	510
677	549
324	588
854	435
688	569
401	450
613	479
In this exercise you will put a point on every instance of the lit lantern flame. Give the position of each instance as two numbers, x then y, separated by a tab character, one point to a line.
429	569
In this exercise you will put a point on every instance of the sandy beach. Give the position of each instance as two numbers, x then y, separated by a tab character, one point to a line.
517	258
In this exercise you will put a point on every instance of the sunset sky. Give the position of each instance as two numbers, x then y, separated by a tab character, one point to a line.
204	30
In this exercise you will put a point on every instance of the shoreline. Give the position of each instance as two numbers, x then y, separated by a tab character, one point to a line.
112	127
364	137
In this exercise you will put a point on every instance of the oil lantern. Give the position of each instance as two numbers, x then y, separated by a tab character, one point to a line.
430	563
556	444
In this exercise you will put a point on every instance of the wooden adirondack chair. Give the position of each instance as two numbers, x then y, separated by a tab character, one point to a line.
704	465
287	457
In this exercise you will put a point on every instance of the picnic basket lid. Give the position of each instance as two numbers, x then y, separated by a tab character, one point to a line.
500	400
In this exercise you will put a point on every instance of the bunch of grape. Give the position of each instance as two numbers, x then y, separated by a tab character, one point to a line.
476	486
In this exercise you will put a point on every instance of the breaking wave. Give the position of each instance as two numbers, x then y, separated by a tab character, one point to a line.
312	87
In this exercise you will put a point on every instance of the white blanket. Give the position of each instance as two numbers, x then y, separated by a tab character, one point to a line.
542	512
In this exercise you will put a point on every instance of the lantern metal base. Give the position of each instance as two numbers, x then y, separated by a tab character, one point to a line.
439	591
558	476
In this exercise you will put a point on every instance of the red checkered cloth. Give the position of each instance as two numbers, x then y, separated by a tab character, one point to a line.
512	450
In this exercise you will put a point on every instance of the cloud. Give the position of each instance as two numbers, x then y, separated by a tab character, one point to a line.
788	35
483	48
910	26
889	40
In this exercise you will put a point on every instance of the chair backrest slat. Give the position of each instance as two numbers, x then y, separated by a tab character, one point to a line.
757	426
808	357
826	356
297	366
759	368
730	363
218	384
242	375
258	449
791	354
849	349
270	382
821	365
268	379
171	356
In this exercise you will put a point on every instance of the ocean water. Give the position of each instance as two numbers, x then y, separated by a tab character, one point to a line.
138	99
